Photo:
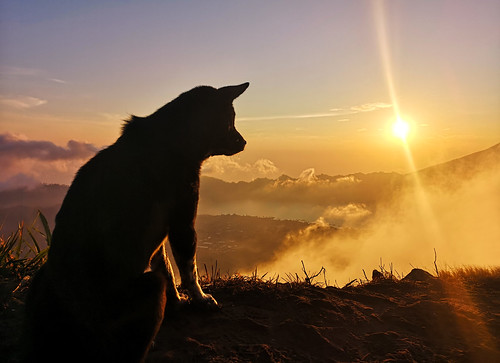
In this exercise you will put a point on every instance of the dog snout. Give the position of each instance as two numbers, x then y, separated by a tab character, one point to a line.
241	140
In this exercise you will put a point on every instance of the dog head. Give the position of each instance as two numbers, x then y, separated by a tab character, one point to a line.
223	138
200	122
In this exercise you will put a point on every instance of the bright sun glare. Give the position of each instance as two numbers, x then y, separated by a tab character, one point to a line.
401	129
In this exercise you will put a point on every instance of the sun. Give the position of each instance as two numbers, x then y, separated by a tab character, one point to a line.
401	129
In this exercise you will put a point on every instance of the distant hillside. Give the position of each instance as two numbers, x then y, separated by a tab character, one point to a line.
464	167
306	197
240	243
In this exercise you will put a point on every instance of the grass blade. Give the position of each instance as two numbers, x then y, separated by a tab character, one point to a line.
48	234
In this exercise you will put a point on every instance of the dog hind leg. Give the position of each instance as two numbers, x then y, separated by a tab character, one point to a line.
142	314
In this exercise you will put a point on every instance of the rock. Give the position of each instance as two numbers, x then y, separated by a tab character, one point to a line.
377	275
417	274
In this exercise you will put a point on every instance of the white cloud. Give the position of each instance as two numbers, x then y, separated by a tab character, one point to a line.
348	179
265	166
346	215
308	176
231	169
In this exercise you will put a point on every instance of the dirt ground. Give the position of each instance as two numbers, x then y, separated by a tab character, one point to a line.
379	321
384	320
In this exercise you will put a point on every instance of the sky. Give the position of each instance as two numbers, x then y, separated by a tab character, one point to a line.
327	80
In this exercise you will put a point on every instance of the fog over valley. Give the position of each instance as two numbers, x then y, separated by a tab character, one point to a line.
345	223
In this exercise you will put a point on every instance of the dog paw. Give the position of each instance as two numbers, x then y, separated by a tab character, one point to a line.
175	303
205	302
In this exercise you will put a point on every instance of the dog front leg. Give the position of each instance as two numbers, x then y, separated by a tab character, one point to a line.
183	244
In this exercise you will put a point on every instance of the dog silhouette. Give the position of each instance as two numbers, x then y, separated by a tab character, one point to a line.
101	295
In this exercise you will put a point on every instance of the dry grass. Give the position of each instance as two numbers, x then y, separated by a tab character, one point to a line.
21	253
471	275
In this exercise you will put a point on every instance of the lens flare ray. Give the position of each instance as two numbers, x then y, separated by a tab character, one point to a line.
401	128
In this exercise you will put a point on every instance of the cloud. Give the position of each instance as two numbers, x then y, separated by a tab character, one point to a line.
21	102
308	197
18	181
231	169
41	160
12	147
368	107
348	179
350	215
20	72
365	107
57	80
108	116
281	117
306	177
265	166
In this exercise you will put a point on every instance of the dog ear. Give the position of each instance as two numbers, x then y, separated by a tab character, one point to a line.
232	92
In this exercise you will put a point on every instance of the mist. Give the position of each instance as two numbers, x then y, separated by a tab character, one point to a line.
338	199
459	220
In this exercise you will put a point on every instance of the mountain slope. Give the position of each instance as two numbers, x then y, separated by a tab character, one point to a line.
465	166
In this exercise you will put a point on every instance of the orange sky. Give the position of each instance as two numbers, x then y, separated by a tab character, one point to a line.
326	79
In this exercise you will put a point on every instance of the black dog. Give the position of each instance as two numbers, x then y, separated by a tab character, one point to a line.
101	294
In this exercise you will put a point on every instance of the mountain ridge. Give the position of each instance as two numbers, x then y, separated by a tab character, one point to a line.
280	197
